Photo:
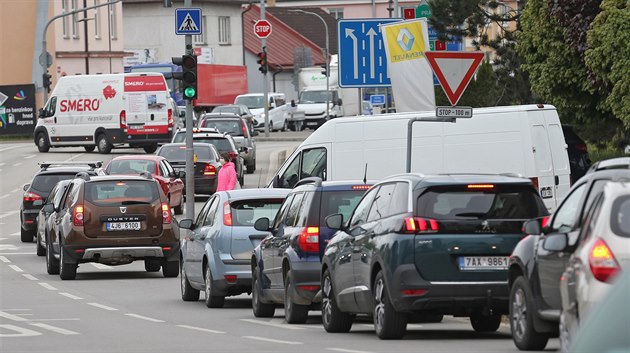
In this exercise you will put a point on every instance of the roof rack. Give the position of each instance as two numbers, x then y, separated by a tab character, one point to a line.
82	175
93	164
310	180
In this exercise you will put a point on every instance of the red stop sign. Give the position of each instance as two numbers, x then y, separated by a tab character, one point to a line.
262	28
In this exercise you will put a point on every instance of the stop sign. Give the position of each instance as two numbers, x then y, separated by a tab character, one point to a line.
262	28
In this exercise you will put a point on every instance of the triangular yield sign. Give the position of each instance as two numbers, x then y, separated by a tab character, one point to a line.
454	70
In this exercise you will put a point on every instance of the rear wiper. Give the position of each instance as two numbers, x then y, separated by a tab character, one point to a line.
133	202
479	215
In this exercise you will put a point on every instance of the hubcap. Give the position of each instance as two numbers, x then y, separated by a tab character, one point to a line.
102	144
326	305
379	308
41	141
519	313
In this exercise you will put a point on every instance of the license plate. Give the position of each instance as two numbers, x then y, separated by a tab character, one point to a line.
472	263
136	127
116	226
314	123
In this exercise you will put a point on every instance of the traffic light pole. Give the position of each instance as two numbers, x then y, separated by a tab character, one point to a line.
190	164
265	77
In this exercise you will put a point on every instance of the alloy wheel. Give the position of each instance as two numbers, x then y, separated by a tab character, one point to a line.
519	313
379	308
326	306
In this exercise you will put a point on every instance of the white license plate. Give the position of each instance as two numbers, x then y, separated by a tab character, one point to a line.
313	123
136	127
471	263
115	226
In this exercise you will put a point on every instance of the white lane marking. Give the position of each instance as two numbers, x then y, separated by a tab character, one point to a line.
31	277
73	319
16	268
200	329
71	296
10	213
4	259
15	234
30	156
11	316
101	266
17	164
101	306
55	329
4	196
288	327
17	190
21	331
18	309
13	147
47	286
144	318
16	253
9	247
1	239
345	350
271	340
1	164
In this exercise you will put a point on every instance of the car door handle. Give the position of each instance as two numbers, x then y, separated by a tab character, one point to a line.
557	180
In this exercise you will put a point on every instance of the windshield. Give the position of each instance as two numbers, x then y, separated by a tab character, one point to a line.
178	153
222	144
232	127
251	102
342	202
114	193
160	69
131	166
316	96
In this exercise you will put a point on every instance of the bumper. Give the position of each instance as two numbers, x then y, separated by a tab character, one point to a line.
29	219
122	254
118	136
306	280
228	267
206	185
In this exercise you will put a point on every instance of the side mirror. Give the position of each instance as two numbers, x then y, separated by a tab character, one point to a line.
40	113
555	242
293	103
180	174
49	208
186	224
26	186
532	227
262	224
243	149
339	102
334	221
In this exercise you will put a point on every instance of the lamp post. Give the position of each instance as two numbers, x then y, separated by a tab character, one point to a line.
325	58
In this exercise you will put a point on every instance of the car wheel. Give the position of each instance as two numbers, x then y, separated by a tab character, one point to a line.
333	319
483	323
212	301
26	235
180	208
104	147
52	264
150	148
41	250
89	148
170	269
522	320
251	168
67	268
189	294
43	145
152	265
388	323
285	126
260	309
293	313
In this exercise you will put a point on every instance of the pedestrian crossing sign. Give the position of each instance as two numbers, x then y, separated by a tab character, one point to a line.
188	21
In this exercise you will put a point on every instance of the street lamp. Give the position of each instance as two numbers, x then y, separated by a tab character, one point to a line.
325	58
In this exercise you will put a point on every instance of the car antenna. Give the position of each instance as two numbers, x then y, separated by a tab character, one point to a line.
365	175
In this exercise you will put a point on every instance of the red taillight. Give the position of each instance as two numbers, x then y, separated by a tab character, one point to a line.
244	128
230	278
581	147
416	292
166	248
171	122
77	216
209	169
308	288
535	182
79	251
309	239
603	264
227	214
481	186
544	222
414	225
166	213
31	196
233	155
123	119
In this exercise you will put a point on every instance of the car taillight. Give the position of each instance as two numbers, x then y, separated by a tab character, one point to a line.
413	225
123	120
535	182
309	239
544	222
31	196
77	215
209	169
227	214
361	187
414	292
171	122
230	278
166	213
581	147
233	155
603	264
244	128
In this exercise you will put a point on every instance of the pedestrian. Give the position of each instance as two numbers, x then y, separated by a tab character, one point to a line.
227	174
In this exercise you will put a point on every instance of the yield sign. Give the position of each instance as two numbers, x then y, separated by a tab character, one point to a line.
454	70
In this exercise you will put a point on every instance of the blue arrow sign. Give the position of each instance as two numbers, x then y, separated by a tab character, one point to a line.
188	21
362	60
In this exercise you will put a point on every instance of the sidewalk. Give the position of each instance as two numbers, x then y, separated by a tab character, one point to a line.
297	136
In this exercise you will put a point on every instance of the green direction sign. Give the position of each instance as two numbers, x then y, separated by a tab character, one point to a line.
423	10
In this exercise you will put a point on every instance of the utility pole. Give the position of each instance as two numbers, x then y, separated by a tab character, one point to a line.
190	153
265	77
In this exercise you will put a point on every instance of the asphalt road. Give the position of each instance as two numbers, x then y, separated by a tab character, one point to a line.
125	309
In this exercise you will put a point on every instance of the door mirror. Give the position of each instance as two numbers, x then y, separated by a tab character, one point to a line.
26	186
49	208
555	242
180	174
532	227
293	103
186	224
339	102
334	221
262	224
40	113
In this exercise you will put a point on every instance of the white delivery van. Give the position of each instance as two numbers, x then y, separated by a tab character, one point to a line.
525	140
106	111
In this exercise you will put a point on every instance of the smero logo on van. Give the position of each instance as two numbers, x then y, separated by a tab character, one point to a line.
79	105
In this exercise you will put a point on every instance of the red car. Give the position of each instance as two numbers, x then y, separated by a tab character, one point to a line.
160	169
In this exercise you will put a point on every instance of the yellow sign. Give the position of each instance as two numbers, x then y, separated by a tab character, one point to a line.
195	158
405	41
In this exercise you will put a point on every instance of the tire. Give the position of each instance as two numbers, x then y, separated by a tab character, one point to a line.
521	318
170	269
483	323
285	126
388	323
41	250
333	319
67	268
89	148
179	209
150	148
293	313
52	264
152	265
251	168
260	309
104	147
43	144
270	126
189	294
212	301
26	236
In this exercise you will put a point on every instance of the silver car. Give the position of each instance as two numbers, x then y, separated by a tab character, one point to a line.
602	254
217	250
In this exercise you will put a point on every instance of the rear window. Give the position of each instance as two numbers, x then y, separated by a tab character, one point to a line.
232	110
131	166
178	153
46	182
342	202
620	217
222	144
119	193
232	127
245	213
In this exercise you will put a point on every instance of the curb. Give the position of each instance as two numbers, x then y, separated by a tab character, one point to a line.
278	139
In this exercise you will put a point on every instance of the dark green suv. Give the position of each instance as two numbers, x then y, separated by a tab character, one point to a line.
419	247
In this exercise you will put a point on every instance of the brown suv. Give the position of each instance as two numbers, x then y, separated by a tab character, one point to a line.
114	220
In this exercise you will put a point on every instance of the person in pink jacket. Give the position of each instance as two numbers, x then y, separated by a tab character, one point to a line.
227	173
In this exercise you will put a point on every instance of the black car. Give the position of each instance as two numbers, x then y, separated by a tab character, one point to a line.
418	247
534	271
578	153
286	264
206	160
38	189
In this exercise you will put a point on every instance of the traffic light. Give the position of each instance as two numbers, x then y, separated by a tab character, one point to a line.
46	81
324	71
262	61
188	75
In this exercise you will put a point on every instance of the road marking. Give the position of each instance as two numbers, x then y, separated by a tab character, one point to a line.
55	329
47	286
200	329
21	331
17	164
17	190
1	239
31	277
30	156
105	307
101	266
144	318
4	196
16	253
11	316
9	247
16	268
288	327
4	259
10	213
15	234
71	296
12	147
345	350
271	340
1	164
73	319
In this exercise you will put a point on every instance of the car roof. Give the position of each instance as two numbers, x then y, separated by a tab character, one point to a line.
210	134
149	157
183	144
610	164
224	116
337	185
261	193
459	179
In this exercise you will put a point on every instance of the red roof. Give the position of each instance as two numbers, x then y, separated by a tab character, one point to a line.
281	43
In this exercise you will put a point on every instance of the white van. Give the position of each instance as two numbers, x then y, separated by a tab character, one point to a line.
526	140
278	109
106	111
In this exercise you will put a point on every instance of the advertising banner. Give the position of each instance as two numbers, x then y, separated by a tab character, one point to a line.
17	110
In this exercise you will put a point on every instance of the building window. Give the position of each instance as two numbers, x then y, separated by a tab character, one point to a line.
75	24
202	38
224	30
337	13
113	26
97	20
64	22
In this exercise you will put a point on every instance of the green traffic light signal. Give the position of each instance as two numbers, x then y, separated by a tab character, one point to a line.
189	92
